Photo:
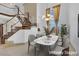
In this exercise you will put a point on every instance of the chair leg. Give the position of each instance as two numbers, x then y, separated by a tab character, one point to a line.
28	48
35	51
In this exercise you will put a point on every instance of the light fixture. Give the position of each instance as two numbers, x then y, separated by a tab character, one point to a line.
48	15
47	19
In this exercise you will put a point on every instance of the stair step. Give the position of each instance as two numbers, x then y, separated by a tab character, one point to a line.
17	28
13	30
26	26
5	36
10	33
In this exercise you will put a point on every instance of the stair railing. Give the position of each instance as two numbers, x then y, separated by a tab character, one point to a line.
6	24
14	24
13	16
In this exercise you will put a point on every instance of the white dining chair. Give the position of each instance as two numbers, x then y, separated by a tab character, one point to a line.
31	42
31	38
57	50
66	41
38	35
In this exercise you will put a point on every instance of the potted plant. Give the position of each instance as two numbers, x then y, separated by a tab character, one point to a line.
47	31
63	30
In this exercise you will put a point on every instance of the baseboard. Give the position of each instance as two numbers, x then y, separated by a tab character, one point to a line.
19	43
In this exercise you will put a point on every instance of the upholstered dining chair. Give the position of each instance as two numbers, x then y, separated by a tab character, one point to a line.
66	43
31	39
38	35
57	50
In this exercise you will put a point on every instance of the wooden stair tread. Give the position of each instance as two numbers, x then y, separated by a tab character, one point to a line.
5	36
13	30
25	25
8	35
18	27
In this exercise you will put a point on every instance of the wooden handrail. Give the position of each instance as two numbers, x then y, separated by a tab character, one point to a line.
7	15
11	16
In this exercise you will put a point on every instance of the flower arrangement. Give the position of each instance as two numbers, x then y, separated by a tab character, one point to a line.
47	31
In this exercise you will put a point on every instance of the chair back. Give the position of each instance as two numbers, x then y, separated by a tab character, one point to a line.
31	38
66	42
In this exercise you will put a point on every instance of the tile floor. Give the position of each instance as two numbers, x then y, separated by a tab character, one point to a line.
18	50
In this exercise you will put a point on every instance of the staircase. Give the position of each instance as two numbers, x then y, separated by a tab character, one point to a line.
26	24
13	31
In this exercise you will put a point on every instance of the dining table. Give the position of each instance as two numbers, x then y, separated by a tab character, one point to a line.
48	40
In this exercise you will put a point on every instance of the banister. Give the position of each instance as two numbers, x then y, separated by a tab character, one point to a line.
12	25
13	16
7	14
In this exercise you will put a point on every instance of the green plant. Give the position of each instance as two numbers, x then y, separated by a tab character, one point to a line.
48	32
63	29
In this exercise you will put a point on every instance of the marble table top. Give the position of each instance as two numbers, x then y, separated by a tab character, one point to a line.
47	40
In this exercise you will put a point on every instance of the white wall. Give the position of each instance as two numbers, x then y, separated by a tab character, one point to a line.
22	35
64	14
73	20
41	8
31	8
33	31
18	37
